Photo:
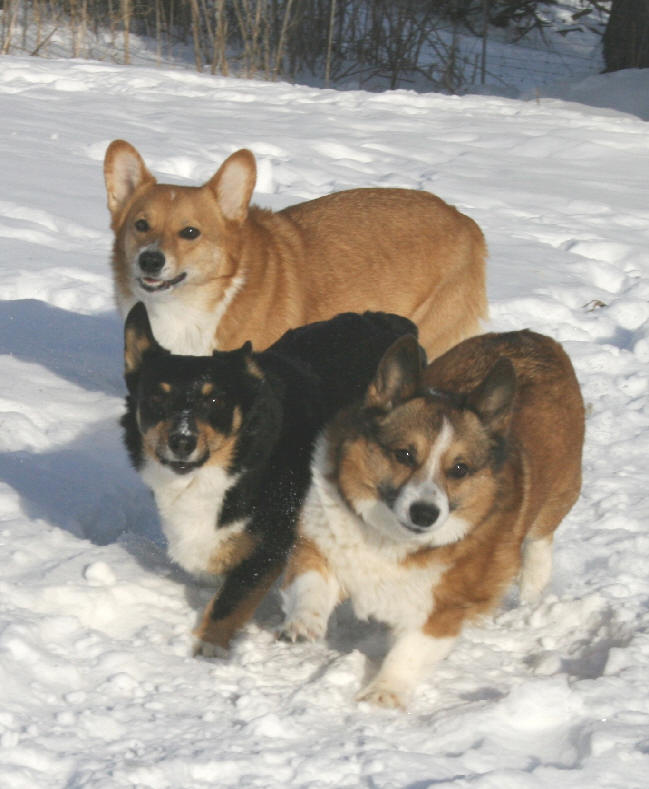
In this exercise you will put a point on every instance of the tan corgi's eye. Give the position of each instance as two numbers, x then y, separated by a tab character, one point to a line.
142	226
189	233
406	457
458	471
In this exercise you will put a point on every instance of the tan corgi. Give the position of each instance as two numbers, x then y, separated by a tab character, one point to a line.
430	496
214	271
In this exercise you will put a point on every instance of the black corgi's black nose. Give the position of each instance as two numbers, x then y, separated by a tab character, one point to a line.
182	444
423	513
151	261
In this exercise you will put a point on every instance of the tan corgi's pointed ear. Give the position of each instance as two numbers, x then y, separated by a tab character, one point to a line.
398	375
124	172
138	339
493	398
234	183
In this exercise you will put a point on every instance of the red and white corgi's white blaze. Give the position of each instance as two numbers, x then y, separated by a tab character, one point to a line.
429	497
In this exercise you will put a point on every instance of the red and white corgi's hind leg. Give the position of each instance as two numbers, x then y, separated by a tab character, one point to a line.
536	568
412	655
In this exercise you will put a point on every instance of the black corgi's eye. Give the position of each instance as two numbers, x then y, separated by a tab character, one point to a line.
406	457
189	233
458	471
142	226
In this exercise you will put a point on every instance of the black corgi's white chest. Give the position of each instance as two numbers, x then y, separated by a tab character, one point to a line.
189	507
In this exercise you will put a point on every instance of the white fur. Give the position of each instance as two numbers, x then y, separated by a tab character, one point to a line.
189	507
177	324
411	656
424	486
536	569
307	603
366	563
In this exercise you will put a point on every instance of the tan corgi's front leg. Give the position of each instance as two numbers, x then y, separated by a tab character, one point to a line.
309	594
411	656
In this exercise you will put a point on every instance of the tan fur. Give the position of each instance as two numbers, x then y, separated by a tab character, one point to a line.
232	552
397	250
218	446
221	632
305	556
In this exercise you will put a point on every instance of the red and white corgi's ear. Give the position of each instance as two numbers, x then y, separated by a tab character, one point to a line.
398	375
493	398
138	339
124	172
234	183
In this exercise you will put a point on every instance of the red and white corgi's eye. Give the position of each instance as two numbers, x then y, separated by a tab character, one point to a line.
406	457
142	226
458	470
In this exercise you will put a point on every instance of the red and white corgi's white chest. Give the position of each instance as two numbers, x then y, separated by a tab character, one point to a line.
371	570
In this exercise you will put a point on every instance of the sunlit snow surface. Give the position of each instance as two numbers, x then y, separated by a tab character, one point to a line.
97	686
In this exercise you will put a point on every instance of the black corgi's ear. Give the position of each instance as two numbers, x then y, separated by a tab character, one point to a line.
138	338
398	375
493	398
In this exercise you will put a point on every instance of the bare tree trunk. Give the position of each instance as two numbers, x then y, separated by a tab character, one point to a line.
330	41
126	21
281	44
485	31
9	18
219	59
196	14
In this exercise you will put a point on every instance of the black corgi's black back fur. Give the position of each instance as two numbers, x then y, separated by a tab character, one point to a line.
224	441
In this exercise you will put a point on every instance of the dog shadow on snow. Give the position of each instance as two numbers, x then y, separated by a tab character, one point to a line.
86	350
86	487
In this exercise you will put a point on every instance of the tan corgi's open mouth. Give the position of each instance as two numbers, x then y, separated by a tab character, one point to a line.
153	284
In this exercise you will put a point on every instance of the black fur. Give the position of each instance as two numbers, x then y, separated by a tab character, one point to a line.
307	376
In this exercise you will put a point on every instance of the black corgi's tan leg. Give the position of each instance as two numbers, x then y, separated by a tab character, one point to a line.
309	594
243	589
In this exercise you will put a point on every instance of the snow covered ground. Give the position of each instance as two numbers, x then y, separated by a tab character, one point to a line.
97	687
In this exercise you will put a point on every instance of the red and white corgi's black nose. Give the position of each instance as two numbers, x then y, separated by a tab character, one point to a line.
423	514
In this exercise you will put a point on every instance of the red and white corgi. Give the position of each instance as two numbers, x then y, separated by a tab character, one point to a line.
214	271
430	496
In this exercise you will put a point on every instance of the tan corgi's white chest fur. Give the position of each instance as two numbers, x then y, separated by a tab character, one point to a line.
188	328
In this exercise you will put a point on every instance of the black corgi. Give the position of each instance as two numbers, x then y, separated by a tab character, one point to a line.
225	441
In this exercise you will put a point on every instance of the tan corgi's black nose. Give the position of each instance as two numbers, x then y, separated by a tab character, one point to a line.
423	513
151	261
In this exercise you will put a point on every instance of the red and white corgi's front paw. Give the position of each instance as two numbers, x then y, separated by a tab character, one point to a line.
304	625
383	693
